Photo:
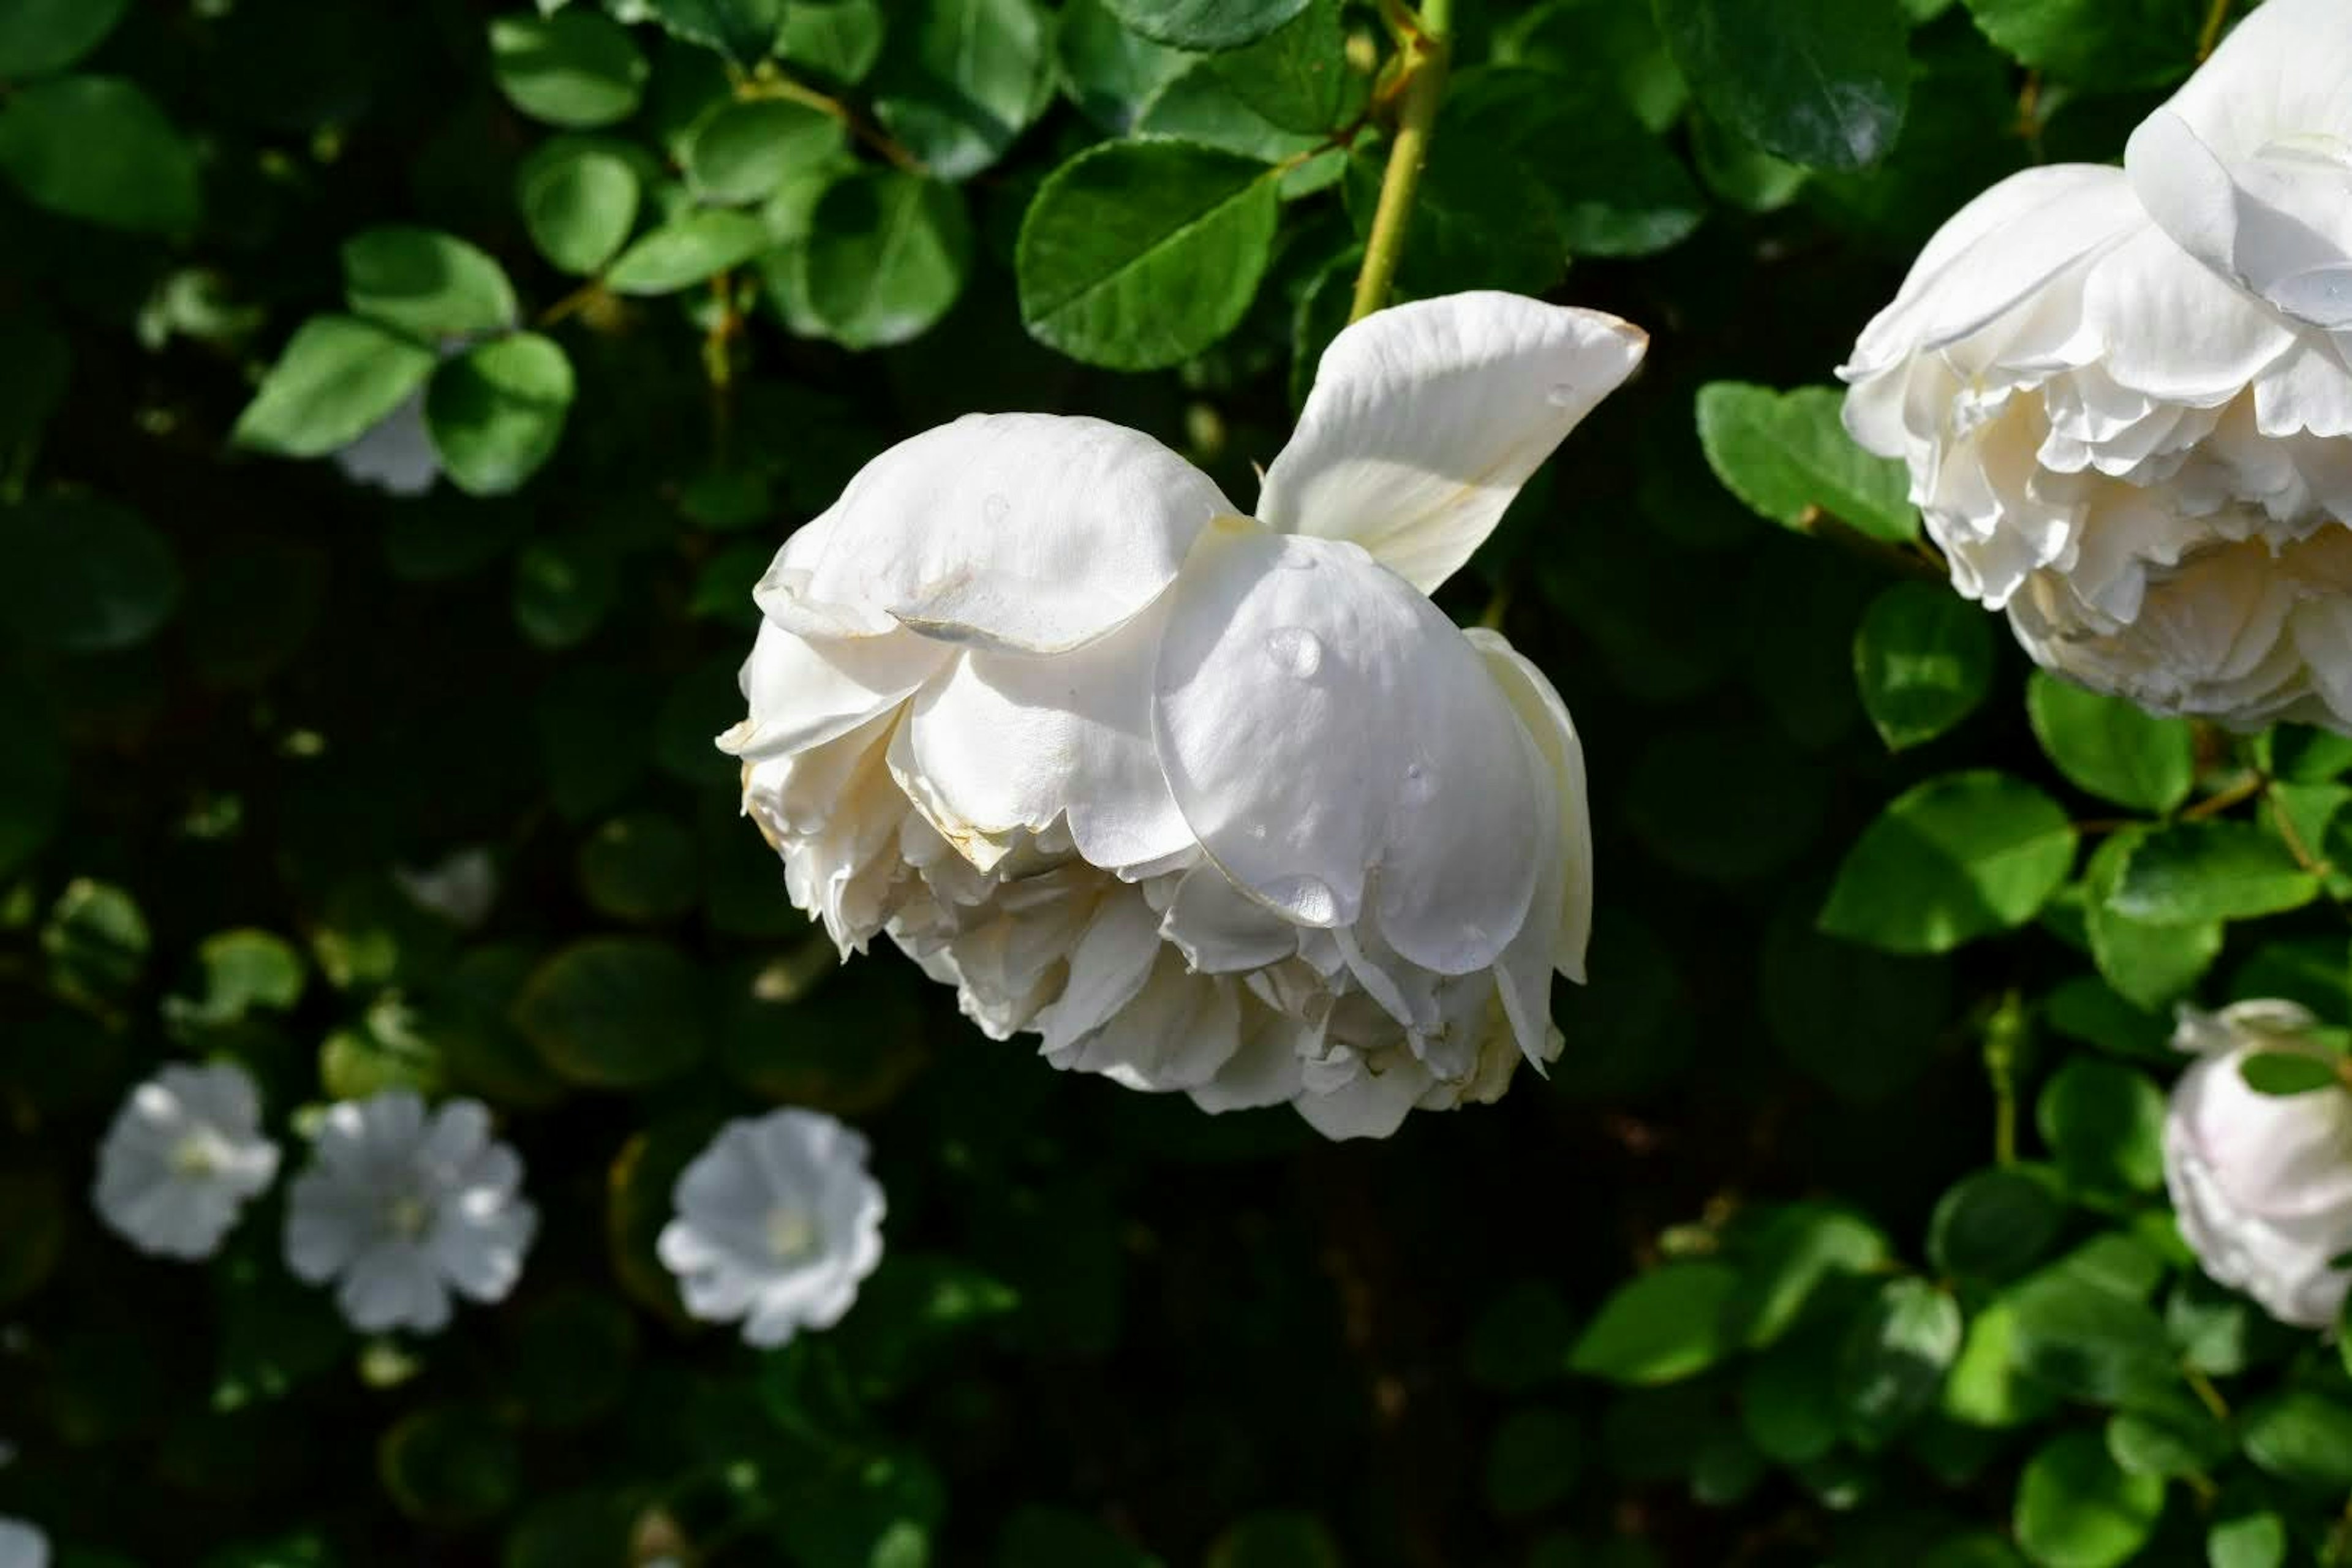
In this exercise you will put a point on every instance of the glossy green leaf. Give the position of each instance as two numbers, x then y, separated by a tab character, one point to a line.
686	251
2287	1073
1923	660
743	152
1671	1323
1787	454
2302	1436
2105	1123
1137	255
1107	69
959	80
338	378
2076	1508
1954	859
1993	1224
1818	82
496	411
2109	748
745	31
579	199
2195	871
1205	24
886	258
98	149
2149	962
2095	43
578	68
1894	1359
425	283
837	39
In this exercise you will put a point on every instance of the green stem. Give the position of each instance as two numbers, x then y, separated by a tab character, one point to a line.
2003	1041
1428	43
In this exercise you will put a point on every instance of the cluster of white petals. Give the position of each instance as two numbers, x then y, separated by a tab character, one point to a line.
22	1545
182	1159
1209	802
401	1206
777	1225
2262	1183
2123	393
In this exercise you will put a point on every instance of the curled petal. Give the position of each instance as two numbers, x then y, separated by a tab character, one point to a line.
1319	720
1426	418
805	691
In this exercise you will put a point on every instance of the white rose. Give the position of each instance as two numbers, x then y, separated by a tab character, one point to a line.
2262	1183
2121	396
1209	802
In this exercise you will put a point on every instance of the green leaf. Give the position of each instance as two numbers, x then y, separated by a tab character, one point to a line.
1204	25
1109	72
2302	1436
1532	1462
339	378
579	199
98	149
1894	1359
2247	1541
837	39
38	36
615	1012
84	575
449	1466
1200	106
2109	748
1477	222
1922	660
1661	1327
496	411
2288	1072
1615	189
1788	1400
425	283
1788	1256
959	80
1296	76
642	866
2085	1337
241	971
1956	858
1818	82
2148	963
886	256
2185	1439
96	940
1137	255
1865	1024
743	152
2105	1123
578	68
1988	1389
2193	871
2076	1508
686	249
563	589
1600	44
2301	754
2096	43
1787	453
745	31
1991	1225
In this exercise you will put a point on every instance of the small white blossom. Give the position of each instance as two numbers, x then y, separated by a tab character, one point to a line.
777	1224
403	1206
395	454
182	1156
2262	1183
22	1545
461	887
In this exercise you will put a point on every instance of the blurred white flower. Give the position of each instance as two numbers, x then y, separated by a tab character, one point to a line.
2262	1183
461	887
395	454
2122	393
1211	802
181	1159
403	1207
777	1224
22	1545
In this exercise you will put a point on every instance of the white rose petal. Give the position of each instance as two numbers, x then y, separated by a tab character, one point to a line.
402	1207
1205	802
182	1159
22	1545
2262	1183
777	1225
395	454
2120	394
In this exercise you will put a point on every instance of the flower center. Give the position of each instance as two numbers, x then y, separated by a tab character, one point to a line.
406	1216
197	1154
792	1234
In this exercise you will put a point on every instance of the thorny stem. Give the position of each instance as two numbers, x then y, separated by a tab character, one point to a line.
2211	34
1426	41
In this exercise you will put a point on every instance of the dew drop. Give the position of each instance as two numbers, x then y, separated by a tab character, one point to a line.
1563	393
995	508
1297	561
1418	786
1296	650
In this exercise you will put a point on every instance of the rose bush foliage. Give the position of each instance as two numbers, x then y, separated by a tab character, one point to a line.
400	406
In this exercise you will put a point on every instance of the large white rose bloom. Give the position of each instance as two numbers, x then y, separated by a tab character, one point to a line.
2122	393
2262	1183
1208	802
402	1206
22	1545
777	1225
182	1159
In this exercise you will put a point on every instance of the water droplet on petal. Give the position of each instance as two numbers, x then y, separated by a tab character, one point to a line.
1563	393
1297	650
1418	786
1298	561
994	508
